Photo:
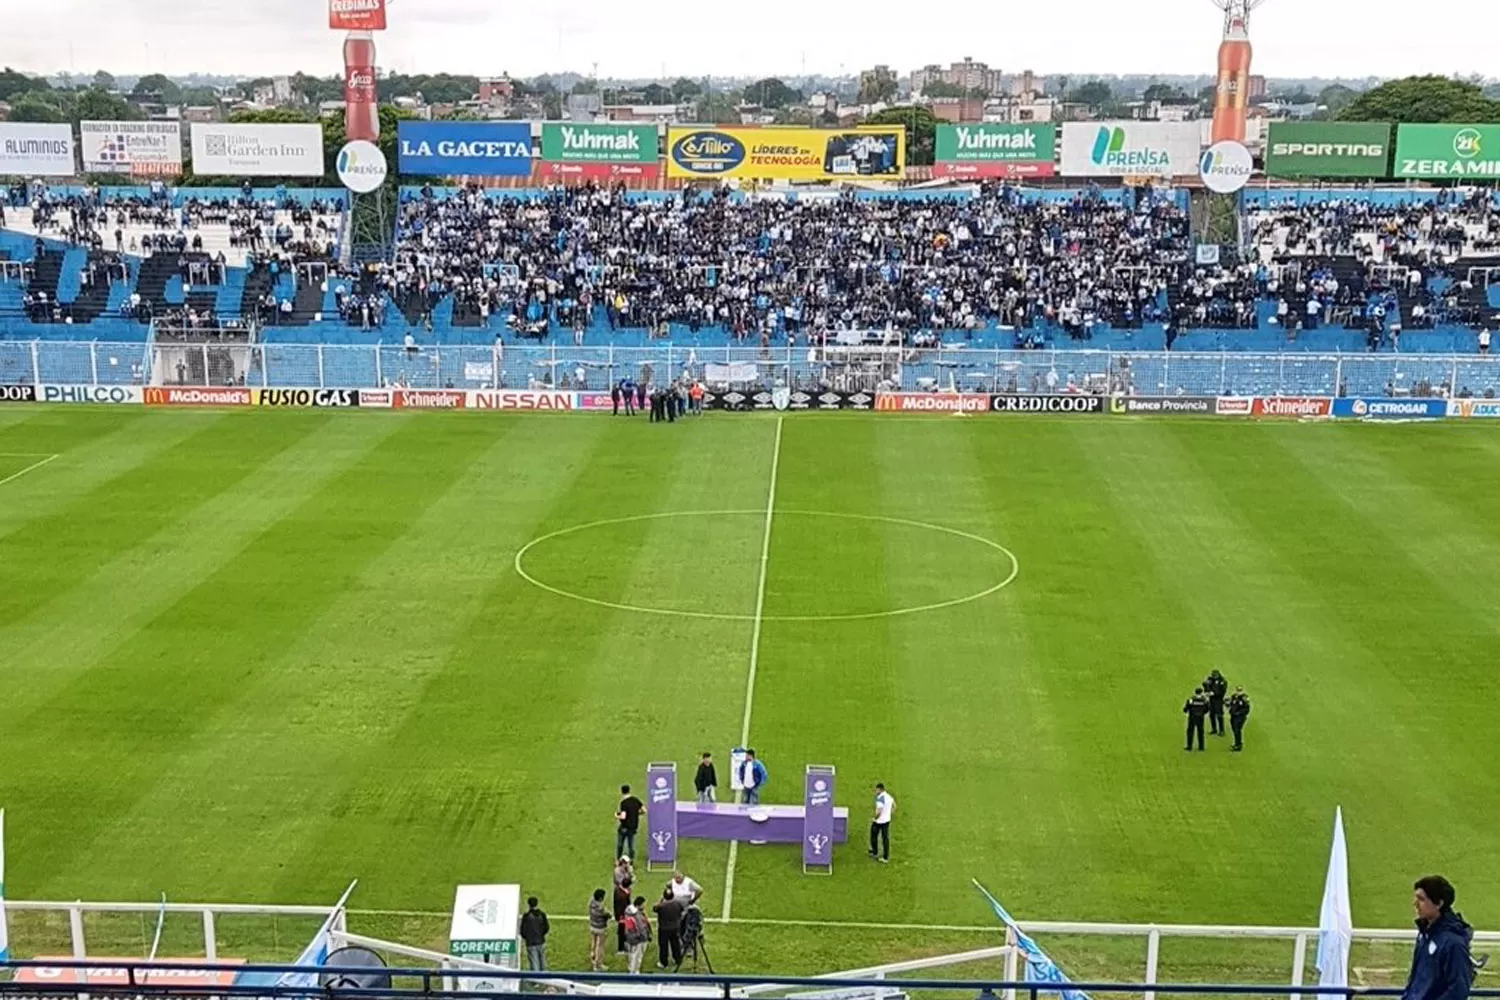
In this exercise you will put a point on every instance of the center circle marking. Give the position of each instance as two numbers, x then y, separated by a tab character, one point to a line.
1015	567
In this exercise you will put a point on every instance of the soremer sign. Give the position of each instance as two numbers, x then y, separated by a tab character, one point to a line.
1448	151
995	150
1328	149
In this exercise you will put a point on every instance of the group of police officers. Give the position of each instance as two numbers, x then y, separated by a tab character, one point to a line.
1208	701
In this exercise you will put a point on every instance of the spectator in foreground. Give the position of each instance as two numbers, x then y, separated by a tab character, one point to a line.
669	930
534	929
621	907
598	927
1440	965
637	932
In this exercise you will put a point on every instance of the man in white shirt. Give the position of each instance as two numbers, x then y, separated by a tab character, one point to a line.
880	825
684	889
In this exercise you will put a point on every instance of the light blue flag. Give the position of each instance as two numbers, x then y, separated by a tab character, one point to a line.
1039	967
316	952
1335	921
4	937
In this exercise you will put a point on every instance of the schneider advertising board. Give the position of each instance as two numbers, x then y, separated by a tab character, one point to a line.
995	151
792	154
1448	151
586	151
1130	149
1328	149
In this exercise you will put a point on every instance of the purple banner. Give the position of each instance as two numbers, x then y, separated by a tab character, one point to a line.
661	814
817	829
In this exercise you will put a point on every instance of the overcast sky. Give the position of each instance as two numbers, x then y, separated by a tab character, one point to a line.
1325	38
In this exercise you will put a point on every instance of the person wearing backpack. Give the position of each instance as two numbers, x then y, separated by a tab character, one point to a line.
637	930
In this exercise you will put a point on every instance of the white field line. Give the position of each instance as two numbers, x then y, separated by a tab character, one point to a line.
34	465
760	608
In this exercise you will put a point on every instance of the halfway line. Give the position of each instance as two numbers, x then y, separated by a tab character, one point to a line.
760	608
34	465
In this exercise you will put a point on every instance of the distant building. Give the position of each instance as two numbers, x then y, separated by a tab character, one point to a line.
4	112
1023	84
659	113
274	94
497	91
958	109
877	81
968	74
583	107
1256	88
1021	110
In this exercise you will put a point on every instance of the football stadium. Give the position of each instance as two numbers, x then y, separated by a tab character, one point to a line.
703	558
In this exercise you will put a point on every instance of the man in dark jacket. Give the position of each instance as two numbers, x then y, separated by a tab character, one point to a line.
1195	709
534	929
706	781
1216	687
1239	711
669	930
1440	965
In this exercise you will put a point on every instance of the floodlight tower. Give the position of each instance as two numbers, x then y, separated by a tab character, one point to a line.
1232	89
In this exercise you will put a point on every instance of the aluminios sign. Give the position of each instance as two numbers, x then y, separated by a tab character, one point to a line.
1225	167
362	166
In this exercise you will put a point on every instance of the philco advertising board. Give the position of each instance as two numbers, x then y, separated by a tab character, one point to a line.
793	154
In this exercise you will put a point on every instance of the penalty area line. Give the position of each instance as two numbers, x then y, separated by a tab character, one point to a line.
34	465
760	610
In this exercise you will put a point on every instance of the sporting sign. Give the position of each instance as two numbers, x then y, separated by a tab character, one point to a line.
991	150
586	151
1328	149
1226	166
1448	151
361	166
795	154
222	148
137	148
474	149
32	149
1130	149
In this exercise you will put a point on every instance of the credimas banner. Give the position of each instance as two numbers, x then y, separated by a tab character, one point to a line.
792	154
585	151
1448	151
995	150
1130	149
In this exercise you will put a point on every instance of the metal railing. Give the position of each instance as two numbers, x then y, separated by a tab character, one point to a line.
135	979
841	368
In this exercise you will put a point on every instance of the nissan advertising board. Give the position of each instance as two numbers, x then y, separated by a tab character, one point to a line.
222	148
1130	149
34	149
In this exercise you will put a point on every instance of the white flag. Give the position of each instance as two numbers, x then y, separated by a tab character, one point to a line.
4	937
1335	922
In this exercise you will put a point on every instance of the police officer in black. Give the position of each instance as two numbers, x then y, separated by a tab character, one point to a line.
1195	708
1215	686
1239	711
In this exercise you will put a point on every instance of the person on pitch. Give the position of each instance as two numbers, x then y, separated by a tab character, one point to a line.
1215	686
880	825
1239	711
1196	708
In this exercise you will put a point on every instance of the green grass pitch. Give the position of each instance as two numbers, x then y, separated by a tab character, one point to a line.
247	656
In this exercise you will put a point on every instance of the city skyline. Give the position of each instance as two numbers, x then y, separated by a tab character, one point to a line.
1292	39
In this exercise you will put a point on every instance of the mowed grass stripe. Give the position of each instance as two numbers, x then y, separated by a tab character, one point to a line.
296	737
68	634
78	539
1432	522
1101	644
825	691
94	447
1323	732
135	711
510	760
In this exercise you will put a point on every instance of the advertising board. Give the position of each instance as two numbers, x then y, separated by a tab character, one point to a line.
17	394
474	149
1291	406
1130	149
1470	408
114	395
794	154
149	149
1367	408
523	399
243	150
591	151
113	972
994	150
427	399
36	149
356	15
320	398
1328	149
1445	151
1057	403
1163	404
932	402
173	395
